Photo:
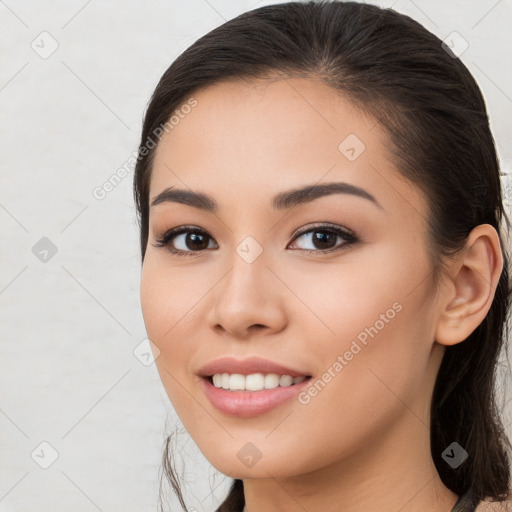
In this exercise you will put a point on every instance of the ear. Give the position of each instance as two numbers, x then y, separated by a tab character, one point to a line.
470	286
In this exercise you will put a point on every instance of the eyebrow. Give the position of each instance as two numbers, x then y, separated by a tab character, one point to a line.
282	201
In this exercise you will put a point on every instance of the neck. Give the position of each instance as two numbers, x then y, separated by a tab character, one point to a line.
394	471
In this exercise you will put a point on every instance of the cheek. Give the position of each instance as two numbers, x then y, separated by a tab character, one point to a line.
369	324
342	301
164	309
168	297
171	308
153	301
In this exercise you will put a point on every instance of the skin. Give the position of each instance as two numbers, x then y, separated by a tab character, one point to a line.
364	439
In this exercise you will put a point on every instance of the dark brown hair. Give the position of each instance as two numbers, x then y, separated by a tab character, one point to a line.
393	68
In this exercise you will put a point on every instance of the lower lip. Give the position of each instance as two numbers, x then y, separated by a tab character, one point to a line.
247	404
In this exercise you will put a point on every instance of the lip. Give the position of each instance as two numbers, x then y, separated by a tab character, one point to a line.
247	404
247	366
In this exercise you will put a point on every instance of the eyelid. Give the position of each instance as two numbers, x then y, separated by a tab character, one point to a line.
319	225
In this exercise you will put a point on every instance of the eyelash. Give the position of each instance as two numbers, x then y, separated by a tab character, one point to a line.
349	237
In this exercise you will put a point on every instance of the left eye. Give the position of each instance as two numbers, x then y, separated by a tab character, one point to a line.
323	238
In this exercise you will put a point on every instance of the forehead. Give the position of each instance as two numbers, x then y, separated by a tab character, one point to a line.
246	140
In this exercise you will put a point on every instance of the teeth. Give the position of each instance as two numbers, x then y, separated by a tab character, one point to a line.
254	381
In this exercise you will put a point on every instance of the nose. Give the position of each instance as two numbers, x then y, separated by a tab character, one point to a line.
248	300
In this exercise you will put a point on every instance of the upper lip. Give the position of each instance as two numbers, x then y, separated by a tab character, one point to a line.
247	366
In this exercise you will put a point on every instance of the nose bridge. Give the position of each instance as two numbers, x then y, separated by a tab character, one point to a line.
248	257
245	298
248	268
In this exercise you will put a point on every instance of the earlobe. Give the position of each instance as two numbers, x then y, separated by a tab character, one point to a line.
472	284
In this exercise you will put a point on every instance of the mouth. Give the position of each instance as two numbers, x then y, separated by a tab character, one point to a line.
249	403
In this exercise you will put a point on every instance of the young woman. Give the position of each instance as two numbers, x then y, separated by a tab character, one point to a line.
323	262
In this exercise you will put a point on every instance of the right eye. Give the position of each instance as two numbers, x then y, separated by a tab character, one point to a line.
186	237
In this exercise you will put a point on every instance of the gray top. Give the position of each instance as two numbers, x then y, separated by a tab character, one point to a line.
465	503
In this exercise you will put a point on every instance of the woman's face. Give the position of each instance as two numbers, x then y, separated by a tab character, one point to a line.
359	319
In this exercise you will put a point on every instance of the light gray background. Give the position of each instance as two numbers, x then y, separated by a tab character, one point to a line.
70	325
